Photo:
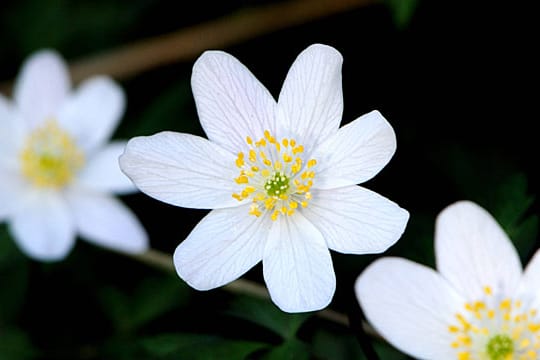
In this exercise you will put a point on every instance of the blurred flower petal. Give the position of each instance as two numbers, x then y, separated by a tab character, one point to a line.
105	221
473	251
103	173
411	306
93	112
43	227
41	87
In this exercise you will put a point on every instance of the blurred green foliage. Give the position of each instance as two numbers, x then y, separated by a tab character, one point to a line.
200	347
402	11
101	305
262	313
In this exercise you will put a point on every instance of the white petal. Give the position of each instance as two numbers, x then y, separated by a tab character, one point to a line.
12	190
297	266
472	251
221	248
528	287
103	173
411	306
355	220
12	134
44	228
105	221
231	102
531	275
182	170
93	111
41	86
310	104
356	153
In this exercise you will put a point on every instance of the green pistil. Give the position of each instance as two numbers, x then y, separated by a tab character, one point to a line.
499	346
277	184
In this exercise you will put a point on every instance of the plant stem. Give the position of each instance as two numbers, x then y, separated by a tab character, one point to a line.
164	262
187	43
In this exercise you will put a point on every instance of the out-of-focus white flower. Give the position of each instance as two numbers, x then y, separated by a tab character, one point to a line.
479	305
281	178
56	170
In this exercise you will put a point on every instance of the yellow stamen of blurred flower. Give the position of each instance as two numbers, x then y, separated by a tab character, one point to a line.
50	158
496	329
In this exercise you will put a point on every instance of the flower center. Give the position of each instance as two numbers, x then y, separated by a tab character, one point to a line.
275	176
499	347
496	328
50	157
277	184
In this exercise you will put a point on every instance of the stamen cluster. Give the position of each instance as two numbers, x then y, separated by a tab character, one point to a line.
274	175
50	157
496	329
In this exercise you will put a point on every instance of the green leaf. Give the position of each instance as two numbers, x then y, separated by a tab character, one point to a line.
291	349
510	205
417	241
168	111
524	236
198	347
336	345
154	297
511	200
79	27
387	352
402	11
15	345
264	313
14	277
6	246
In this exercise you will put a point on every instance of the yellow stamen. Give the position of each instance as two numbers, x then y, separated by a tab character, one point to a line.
496	330
50	158
274	178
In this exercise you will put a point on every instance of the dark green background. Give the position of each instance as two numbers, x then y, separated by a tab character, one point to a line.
457	81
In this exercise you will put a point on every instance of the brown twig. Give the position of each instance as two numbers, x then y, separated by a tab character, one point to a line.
164	262
185	44
188	43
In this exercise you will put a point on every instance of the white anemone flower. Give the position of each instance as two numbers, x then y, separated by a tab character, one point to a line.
281	178
56	170
480	305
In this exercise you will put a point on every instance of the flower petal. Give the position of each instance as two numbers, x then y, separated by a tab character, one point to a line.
93	111
355	220
473	252
528	287
411	306
41	86
43	228
356	153
310	104
12	190
12	133
105	221
231	102
181	169
221	248
102	172
297	266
